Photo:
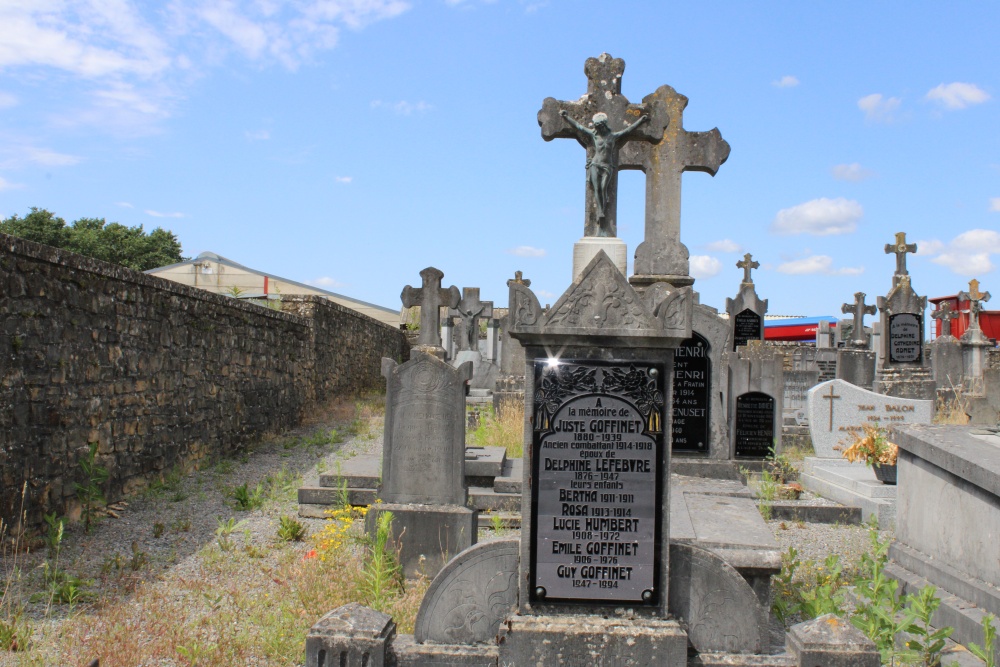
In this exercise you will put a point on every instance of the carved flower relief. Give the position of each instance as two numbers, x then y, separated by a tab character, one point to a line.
524	307
478	616
604	304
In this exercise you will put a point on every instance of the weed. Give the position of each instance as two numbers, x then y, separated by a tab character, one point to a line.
926	643
290	529
766	490
248	499
90	493
878	607
158	529
181	525
382	576
61	587
55	529
15	631
321	466
224	466
112	562
283	485
504	428
985	652
225	531
809	593
178	496
139	558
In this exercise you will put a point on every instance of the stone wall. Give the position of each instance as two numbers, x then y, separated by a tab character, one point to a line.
157	373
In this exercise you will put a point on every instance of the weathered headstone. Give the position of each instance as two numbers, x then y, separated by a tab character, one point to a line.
469	310
974	341
855	362
430	296
797	384
692	429
756	379
949	370
838	410
903	369
746	311
510	380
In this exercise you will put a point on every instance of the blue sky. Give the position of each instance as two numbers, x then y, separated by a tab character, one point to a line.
351	143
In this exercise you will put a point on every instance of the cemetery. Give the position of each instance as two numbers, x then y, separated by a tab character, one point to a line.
620	477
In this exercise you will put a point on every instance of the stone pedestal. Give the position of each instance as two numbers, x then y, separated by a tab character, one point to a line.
351	636
974	348
586	249
856	366
427	536
947	364
831	641
915	383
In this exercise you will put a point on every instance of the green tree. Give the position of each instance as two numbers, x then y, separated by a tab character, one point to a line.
94	237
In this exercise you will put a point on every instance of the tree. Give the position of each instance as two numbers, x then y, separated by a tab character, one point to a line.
94	237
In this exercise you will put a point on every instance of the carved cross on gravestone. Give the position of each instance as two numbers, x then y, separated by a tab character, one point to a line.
747	264
576	120
976	300
661	253
519	279
831	397
901	248
469	310
430	296
859	310
945	313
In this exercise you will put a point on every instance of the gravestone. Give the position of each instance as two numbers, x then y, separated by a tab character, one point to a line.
467	313
974	341
796	387
754	425
430	297
756	391
746	311
949	370
692	431
838	410
855	362
510	380
903	370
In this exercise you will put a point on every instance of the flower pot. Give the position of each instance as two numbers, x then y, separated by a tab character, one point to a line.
885	473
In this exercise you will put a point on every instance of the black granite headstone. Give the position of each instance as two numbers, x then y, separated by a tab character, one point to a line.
905	338
754	425
598	448
746	327
692	388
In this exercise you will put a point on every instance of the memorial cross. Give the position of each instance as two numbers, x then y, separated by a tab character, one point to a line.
661	253
430	296
830	397
747	264
859	310
469	310
624	120
945	313
901	248
976	300
519	279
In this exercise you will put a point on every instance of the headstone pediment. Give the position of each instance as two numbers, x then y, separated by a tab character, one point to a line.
902	299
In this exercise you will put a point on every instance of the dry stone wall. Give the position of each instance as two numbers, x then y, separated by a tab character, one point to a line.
157	373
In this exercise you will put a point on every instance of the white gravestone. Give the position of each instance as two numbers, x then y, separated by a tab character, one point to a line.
838	410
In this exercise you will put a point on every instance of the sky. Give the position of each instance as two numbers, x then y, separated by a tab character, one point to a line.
351	143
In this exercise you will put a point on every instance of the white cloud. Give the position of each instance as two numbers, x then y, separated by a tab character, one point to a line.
954	96
820	217
817	264
7	100
326	282
927	248
403	107
545	294
879	109
526	251
158	214
786	81
724	245
970	253
257	135
343	179
7	185
124	204
17	155
995	204
853	172
705	266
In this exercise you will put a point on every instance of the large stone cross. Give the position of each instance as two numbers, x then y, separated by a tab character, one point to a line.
469	310
945	313
604	95
661	253
859	310
430	296
901	248
976	300
747	264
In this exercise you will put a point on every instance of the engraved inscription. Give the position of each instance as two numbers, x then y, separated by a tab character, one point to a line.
905	338
754	425
746	327
692	381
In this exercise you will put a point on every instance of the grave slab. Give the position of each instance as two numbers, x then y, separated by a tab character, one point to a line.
852	485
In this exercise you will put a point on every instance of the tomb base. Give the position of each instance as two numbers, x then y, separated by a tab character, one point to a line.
915	383
586	249
593	640
427	536
856	367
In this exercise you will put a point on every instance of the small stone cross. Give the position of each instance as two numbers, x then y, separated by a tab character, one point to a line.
519	279
901	248
469	310
661	253
604	95
747	264
831	397
859	310
976	300
430	296
945	313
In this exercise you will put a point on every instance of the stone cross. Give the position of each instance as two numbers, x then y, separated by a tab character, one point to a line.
430	296
747	264
661	253
831	397
945	313
976	300
519	279
469	310
604	88
859	310
901	248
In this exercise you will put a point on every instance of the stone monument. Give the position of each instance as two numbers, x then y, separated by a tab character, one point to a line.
946	360
468	313
746	311
430	297
974	341
510	380
855	362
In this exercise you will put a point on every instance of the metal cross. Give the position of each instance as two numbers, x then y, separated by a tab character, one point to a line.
945	314
747	264
430	296
976	300
830	397
469	310
901	248
859	310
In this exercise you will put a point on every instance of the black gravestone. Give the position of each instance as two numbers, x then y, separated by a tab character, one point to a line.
692	380
746	327
754	425
905	338
598	446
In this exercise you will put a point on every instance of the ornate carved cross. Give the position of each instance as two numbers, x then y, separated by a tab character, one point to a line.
945	313
661	253
859	310
430	296
747	264
469	310
901	248
604	88
976	300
